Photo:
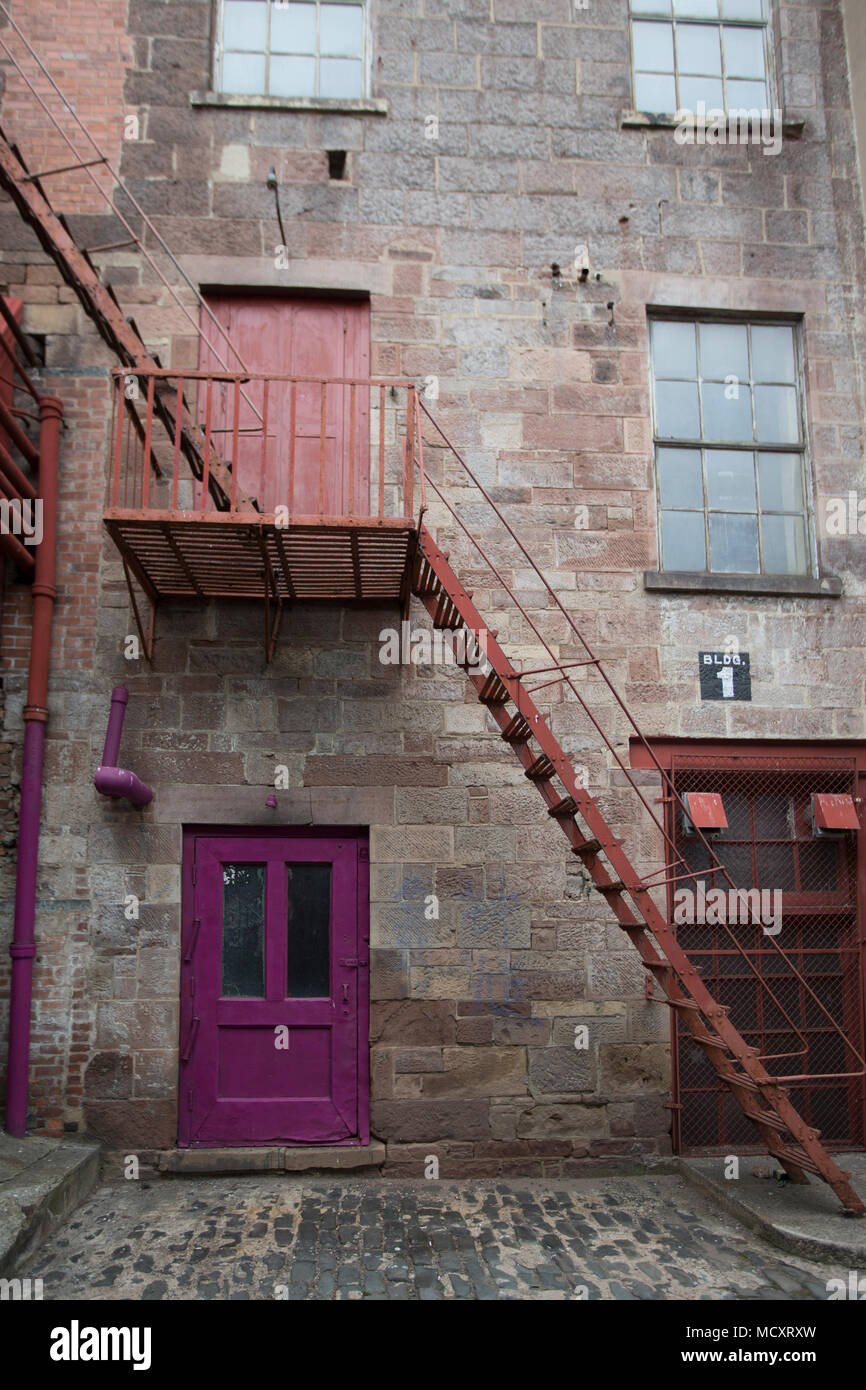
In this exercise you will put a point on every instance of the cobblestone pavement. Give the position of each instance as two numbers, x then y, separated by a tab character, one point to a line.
252	1238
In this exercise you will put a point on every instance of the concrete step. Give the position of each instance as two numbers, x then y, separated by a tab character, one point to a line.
41	1180
303	1159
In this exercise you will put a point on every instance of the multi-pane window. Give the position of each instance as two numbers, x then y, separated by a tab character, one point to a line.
687	52
306	48
730	447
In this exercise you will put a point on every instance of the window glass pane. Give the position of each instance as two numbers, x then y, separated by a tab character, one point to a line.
733	544
746	96
340	30
656	94
339	77
653	47
292	77
743	9
702	89
683	543
784	545
293	30
674	350
677	414
699	48
744	52
780	478
243	74
309	931
731	480
727	416
650	6
245	25
776	414
773	353
680	480
697	9
243	961
724	351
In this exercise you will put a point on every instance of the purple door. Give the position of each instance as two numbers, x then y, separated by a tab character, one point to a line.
274	998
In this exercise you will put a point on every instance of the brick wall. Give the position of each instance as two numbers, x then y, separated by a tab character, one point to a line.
544	386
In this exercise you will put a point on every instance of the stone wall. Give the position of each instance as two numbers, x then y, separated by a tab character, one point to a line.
466	245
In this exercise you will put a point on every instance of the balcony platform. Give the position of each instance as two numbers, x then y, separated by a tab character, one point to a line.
246	555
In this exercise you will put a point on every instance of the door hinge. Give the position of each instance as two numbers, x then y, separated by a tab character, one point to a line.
189	1100
351	962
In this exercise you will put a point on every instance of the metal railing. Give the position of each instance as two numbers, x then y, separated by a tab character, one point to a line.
307	446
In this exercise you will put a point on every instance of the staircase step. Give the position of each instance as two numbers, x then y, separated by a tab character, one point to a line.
616	886
587	848
517	730
540	769
566	807
766	1117
797	1156
734	1079
493	691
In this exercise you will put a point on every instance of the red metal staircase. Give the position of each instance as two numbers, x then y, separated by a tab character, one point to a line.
502	689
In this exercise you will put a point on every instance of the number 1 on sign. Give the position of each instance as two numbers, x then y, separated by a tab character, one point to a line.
726	676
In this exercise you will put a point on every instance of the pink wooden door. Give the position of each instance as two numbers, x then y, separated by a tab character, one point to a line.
274	1013
315	458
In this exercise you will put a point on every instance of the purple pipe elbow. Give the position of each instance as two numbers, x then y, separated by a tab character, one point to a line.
115	781
109	779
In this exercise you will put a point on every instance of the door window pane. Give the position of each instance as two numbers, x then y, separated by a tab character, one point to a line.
243	956
308	931
733	544
683	541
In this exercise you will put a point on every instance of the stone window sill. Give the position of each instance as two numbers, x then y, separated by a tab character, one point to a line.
353	107
793	127
783	585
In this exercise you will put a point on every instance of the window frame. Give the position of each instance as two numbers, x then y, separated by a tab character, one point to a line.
749	320
315	99
764	24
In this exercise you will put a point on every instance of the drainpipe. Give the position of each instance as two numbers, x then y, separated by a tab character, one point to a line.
109	779
23	948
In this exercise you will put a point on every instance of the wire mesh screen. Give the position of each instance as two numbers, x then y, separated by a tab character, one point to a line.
778	945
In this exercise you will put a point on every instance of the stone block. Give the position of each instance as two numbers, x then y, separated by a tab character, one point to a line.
634	1068
479	1071
561	1069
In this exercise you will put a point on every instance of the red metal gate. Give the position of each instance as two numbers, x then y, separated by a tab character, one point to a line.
792	990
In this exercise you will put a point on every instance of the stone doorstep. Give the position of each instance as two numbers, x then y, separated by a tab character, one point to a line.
41	1180
280	1160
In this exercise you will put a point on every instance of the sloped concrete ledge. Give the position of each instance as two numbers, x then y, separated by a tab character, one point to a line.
41	1181
804	1220
281	1160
